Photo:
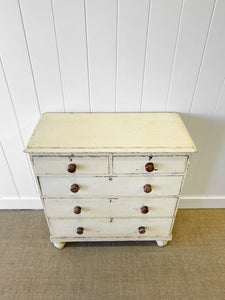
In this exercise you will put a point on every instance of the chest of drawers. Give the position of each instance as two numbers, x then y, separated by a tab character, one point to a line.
110	176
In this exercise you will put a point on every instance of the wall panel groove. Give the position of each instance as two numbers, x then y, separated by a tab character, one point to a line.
219	100
162	32
14	55
209	133
58	58
145	53
39	28
174	56
202	59
132	28
88	69
113	56
31	67
7	183
72	48
193	34
116	57
101	27
18	127
12	142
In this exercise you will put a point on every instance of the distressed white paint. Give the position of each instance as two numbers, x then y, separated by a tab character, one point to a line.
59	245
108	204
136	164
121	132
161	243
106	208
117	228
58	165
192	64
53	186
185	202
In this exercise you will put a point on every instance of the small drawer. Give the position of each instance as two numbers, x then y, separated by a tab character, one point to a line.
83	186
149	165
73	165
86	228
111	207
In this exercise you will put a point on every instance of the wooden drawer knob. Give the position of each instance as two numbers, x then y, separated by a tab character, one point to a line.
149	167
74	188
80	230
144	209
147	188
71	168
141	229
77	210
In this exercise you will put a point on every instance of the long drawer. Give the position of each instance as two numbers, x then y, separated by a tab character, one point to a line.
155	228
136	164
60	186
58	165
105	208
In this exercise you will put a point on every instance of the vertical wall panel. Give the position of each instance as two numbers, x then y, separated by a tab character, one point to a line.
7	185
71	37
212	72
13	145
208	89
217	146
132	34
162	37
15	59
114	55
191	42
39	27
101	39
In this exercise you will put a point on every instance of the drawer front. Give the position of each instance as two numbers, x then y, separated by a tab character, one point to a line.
56	186
105	208
136	164
59	165
154	228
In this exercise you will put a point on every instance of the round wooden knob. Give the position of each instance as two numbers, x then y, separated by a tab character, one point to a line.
144	209
74	188
71	168
141	229
147	188
149	167
77	210
80	230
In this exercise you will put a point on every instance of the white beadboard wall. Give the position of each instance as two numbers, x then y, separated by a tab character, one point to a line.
113	56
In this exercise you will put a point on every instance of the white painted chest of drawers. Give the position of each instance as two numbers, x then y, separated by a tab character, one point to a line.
110	176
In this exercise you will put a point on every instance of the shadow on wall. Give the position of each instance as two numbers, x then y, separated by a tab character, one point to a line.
206	174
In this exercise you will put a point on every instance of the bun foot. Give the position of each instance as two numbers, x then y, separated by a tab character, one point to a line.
59	245
161	243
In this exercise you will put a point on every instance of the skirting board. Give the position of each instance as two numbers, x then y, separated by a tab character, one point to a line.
185	203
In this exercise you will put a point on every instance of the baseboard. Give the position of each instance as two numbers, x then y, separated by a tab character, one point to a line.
185	203
20	203
202	202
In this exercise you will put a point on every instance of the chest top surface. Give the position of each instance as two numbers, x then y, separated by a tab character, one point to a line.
110	132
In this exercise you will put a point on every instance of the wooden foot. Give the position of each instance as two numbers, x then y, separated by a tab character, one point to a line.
161	243
59	245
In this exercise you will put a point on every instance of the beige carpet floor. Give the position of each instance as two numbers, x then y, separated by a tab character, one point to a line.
191	266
